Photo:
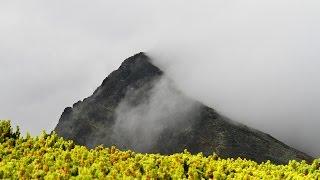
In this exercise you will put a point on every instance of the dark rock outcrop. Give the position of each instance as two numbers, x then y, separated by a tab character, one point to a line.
90	122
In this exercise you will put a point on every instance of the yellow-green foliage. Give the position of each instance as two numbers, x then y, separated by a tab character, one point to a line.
51	157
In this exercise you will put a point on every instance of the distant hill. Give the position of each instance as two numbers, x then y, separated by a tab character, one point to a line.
137	107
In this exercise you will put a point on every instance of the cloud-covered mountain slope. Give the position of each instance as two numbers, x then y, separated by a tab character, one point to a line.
137	107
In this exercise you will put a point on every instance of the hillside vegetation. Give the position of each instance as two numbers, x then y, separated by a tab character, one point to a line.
48	156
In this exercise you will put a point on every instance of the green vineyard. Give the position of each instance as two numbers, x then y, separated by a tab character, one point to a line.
48	156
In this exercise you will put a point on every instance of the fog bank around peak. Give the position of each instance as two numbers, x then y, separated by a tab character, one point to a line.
258	65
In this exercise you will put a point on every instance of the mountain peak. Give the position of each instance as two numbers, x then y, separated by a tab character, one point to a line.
138	58
137	108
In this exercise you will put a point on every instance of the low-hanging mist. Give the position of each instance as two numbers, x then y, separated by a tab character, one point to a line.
144	114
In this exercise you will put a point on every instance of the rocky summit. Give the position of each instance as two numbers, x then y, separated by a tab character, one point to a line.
137	108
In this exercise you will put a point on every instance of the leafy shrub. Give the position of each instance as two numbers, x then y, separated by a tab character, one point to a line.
52	157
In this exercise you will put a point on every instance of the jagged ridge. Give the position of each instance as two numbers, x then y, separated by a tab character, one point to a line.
89	122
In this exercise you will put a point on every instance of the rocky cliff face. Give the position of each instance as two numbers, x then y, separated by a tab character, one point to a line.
137	108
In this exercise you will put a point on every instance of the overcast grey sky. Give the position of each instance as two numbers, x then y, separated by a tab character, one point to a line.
256	61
